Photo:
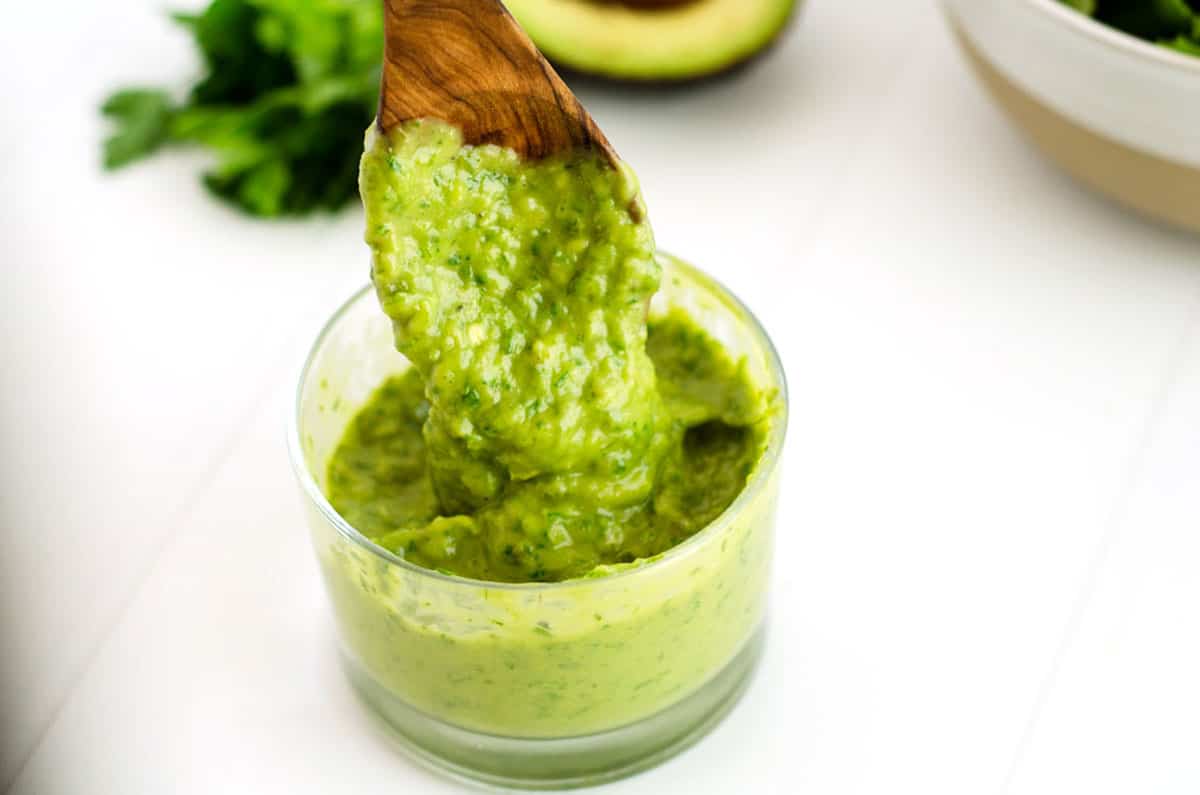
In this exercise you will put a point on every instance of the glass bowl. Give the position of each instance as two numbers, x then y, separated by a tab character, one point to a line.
542	685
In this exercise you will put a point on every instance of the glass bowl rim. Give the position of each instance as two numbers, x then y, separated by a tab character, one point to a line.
761	476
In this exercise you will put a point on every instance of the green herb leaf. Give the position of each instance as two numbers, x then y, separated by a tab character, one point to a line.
1190	46
288	88
240	68
1147	19
1082	6
1171	23
142	118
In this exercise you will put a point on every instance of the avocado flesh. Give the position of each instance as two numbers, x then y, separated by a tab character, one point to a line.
671	43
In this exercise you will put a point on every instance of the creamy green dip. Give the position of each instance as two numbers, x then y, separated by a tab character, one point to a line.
545	430
605	650
379	478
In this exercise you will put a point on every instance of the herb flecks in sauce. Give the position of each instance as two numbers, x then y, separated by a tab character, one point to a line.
544	431
379	482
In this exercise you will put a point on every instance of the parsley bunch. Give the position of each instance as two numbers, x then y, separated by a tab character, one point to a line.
289	88
1171	23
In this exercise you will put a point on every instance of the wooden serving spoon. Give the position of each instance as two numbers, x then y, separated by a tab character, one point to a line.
468	63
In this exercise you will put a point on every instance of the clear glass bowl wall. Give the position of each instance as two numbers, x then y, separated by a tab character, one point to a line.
448	661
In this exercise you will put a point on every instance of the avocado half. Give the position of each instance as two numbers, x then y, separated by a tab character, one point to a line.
651	40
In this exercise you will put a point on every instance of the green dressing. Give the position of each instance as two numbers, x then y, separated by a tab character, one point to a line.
546	430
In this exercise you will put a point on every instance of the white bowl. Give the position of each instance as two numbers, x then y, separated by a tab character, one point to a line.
1119	113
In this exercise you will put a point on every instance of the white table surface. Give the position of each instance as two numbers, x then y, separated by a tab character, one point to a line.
988	555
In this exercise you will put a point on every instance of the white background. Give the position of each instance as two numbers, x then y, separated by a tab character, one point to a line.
989	565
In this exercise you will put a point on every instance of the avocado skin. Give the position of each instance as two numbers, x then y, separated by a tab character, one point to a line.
701	76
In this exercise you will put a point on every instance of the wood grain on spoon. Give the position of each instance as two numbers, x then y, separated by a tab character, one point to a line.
468	63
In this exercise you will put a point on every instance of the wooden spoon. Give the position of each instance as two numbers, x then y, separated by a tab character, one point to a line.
468	63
